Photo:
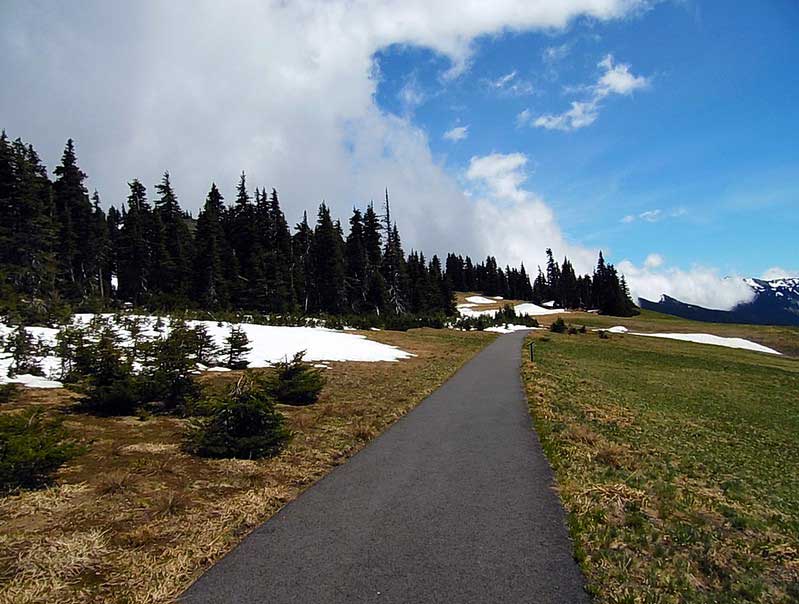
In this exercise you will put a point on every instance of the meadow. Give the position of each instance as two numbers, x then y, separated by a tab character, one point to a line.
677	463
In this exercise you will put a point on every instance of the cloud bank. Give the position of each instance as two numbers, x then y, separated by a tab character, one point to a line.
700	285
286	91
282	90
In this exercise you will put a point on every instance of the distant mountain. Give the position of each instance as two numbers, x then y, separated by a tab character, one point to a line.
775	303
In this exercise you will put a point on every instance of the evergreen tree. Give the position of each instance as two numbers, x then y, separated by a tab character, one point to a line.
101	254
569	296
372	241
135	256
172	247
302	263
328	265
540	288
393	268
278	256
73	212
469	280
237	347
553	278
24	353
214	262
241	228
27	233
357	264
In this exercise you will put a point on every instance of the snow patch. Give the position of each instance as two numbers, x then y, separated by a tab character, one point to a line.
31	381
479	300
528	308
269	344
706	338
509	328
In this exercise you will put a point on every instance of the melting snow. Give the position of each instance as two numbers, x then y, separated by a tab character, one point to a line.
509	328
528	308
480	300
706	338
269	344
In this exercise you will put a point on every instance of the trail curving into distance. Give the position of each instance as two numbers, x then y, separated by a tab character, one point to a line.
454	503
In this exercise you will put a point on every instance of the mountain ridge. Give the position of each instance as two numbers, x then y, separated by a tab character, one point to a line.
776	302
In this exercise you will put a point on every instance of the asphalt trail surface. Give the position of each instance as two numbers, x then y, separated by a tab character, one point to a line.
454	503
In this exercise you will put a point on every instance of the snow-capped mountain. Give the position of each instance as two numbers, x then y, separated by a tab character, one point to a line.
775	303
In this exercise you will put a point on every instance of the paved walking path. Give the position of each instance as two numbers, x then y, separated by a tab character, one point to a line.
454	503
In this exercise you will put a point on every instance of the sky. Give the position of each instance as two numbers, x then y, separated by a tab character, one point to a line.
663	133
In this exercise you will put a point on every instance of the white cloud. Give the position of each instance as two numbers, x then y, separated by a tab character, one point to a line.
579	116
615	79
510	84
501	81
411	95
516	222
523	118
284	90
777	272
700	285
653	261
458	133
502	174
555	54
655	215
651	215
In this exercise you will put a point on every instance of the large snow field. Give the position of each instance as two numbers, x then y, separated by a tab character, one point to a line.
269	344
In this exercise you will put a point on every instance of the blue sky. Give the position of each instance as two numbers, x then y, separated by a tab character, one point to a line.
662	132
706	151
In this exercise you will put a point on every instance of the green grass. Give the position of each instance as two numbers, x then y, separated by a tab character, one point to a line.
678	464
782	338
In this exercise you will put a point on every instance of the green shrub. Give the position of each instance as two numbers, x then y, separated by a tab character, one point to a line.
237	345
558	326
295	382
169	379
31	449
73	347
110	387
243	423
24	353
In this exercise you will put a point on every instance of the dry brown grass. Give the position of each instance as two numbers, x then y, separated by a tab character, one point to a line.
136	520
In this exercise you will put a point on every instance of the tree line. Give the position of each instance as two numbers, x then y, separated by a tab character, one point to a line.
58	246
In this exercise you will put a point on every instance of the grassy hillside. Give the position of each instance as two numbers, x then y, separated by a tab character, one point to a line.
135	519
678	463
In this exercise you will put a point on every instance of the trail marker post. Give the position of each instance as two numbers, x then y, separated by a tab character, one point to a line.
532	352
